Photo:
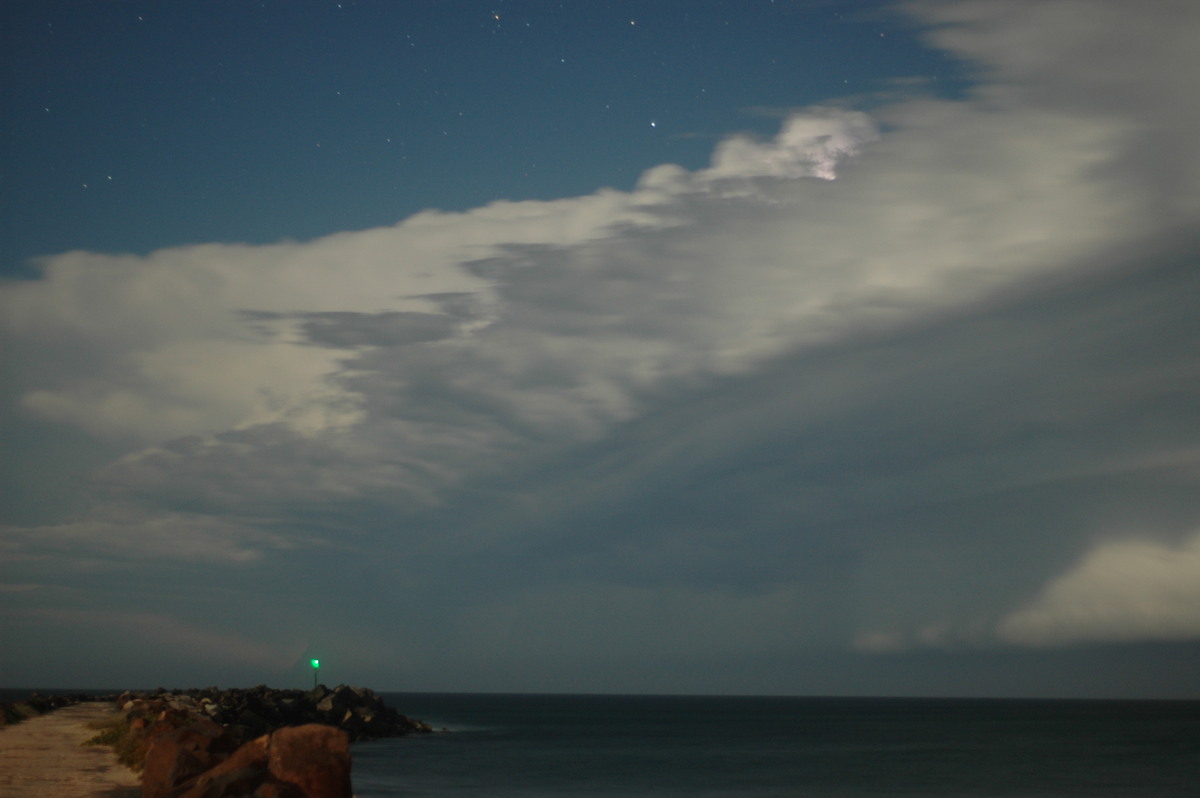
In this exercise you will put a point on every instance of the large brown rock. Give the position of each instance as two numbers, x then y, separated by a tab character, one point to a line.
177	753
310	761
314	758
241	774
240	783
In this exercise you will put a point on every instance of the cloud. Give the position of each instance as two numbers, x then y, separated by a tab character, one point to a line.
133	533
565	311
352	330
873	382
1092	59
810	145
203	339
1122	591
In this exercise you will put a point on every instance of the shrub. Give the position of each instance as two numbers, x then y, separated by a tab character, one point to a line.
116	732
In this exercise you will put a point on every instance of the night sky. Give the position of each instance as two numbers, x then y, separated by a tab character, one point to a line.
680	347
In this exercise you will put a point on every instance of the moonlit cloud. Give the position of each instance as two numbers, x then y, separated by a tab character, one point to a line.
202	339
887	382
812	145
1127	590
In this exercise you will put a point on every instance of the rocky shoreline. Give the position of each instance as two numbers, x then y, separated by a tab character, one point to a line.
258	741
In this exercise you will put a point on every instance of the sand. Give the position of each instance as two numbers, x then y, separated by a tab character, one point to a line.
45	757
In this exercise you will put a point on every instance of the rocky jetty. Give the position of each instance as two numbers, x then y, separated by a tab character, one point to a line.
247	713
258	741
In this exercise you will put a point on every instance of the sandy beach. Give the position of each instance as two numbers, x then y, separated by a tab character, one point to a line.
45	757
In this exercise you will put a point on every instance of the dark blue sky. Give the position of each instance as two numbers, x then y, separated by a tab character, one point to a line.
132	126
706	347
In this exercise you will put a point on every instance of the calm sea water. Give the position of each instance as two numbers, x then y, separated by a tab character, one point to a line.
539	746
534	746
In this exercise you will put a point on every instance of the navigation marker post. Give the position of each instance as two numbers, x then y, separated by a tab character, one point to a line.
316	666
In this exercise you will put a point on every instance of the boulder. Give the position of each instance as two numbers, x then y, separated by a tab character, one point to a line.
314	758
311	761
329	705
177	753
240	774
237	783
348	696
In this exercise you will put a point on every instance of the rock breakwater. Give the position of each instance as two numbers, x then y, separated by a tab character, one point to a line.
247	713
213	743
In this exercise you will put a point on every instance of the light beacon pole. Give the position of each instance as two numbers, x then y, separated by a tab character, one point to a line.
316	665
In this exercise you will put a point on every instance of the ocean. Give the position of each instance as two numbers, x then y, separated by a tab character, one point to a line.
537	746
594	746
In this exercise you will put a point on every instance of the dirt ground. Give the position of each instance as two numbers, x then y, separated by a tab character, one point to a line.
45	757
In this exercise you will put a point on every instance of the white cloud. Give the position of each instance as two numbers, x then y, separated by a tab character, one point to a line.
170	351
1122	591
204	384
558	314
812	145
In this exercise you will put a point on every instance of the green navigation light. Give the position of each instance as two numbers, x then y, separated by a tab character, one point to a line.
316	663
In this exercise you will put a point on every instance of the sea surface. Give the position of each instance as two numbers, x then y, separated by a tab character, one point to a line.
580	746
536	746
